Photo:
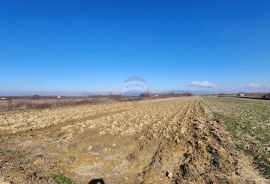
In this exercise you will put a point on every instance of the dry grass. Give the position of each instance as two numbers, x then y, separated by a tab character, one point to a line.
22	103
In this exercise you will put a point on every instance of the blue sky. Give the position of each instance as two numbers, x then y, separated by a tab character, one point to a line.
53	45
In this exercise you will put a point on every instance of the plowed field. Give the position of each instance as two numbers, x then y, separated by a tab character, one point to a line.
174	140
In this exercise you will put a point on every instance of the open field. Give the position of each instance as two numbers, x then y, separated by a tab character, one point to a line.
9	103
174	140
248	121
28	102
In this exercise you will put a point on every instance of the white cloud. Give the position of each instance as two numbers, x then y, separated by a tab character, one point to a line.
203	84
254	85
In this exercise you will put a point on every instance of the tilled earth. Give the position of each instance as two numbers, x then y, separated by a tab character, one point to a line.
175	140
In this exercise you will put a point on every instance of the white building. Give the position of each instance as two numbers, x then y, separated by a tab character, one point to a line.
242	94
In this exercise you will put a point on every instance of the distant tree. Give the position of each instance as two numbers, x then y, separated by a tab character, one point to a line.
35	96
267	96
145	95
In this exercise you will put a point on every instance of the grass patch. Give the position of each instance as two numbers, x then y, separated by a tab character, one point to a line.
61	179
260	161
233	126
231	123
247	122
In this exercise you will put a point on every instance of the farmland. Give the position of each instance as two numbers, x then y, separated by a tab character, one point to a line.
171	140
248	121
